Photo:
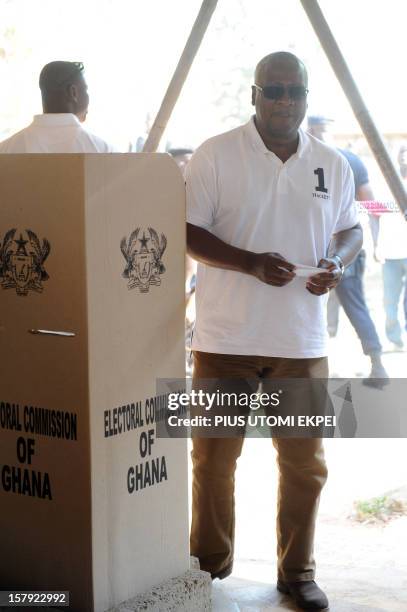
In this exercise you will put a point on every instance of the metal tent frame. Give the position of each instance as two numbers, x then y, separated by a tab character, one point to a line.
339	66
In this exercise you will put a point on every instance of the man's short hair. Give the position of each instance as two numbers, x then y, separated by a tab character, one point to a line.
279	56
56	74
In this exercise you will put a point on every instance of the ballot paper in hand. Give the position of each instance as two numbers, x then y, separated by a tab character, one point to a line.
306	271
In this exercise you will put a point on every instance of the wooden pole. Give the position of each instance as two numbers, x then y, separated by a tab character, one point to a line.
344	76
181	72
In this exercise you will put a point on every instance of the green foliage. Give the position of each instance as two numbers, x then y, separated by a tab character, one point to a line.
372	506
381	508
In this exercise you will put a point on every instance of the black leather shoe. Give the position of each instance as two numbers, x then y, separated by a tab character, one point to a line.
307	595
223	573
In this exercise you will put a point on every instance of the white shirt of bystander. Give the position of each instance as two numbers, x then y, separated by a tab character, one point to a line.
392	243
55	133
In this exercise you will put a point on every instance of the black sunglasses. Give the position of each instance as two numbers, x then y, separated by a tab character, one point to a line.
277	91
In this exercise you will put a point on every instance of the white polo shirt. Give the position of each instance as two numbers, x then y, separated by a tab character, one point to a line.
246	196
392	240
55	133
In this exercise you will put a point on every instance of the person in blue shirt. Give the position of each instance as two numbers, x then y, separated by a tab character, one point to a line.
349	292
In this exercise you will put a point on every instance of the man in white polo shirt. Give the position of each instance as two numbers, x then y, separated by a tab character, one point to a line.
65	102
263	200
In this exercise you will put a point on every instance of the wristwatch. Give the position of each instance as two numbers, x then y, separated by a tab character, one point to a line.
340	263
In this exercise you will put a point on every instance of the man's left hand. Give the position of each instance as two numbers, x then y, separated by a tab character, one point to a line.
323	282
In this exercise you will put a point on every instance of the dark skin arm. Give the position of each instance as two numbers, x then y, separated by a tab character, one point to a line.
270	268
347	245
273	268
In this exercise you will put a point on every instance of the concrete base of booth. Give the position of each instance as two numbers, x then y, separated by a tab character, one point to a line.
190	592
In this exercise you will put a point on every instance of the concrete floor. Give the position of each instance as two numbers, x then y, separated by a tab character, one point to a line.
243	595
362	568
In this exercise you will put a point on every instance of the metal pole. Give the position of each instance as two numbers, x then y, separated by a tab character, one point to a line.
344	76
181	72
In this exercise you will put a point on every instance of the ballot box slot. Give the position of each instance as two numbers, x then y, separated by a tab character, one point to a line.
51	332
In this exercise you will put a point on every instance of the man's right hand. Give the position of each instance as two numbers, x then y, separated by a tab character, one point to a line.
272	268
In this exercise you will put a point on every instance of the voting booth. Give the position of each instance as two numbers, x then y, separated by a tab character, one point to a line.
92	251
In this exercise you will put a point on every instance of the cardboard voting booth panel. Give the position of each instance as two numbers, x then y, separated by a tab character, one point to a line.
91	313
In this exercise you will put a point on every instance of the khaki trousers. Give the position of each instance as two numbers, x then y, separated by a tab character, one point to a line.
302	474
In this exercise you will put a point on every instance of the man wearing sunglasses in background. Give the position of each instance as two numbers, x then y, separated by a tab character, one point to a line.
65	102
261	199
